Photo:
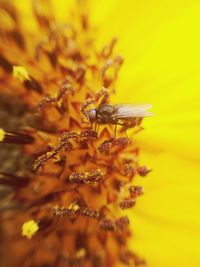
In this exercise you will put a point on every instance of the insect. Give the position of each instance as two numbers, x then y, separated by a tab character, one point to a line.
127	115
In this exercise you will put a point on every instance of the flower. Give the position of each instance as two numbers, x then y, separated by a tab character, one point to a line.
161	49
74	196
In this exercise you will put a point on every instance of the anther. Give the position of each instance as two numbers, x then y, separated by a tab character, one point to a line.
107	224
126	203
122	222
108	144
135	191
143	171
91	177
76	210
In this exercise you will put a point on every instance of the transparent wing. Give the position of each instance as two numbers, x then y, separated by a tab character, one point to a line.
132	110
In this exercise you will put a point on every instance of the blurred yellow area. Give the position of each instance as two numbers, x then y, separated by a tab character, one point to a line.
160	43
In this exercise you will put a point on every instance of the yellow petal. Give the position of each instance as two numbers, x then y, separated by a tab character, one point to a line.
165	220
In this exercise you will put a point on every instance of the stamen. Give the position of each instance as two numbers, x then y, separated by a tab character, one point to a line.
75	210
15	138
64	144
91	177
108	144
143	171
104	92
108	49
126	203
136	191
65	87
88	134
51	154
110	70
128	170
113	225
122	222
107	224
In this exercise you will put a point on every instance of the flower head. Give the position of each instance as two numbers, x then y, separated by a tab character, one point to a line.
50	161
82	179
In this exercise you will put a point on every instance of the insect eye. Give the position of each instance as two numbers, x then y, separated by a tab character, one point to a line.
92	115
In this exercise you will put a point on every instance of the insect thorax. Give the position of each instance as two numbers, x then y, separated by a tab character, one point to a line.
105	114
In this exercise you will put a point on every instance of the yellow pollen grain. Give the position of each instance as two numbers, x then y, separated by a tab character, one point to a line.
29	228
56	158
100	172
2	134
81	253
59	103
20	73
74	207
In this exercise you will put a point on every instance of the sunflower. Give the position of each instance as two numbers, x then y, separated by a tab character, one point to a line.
69	191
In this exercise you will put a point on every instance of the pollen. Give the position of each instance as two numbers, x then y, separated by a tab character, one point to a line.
29	229
2	135
20	73
81	253
74	207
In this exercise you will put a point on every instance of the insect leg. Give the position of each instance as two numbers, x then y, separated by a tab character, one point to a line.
124	128
97	127
115	130
129	124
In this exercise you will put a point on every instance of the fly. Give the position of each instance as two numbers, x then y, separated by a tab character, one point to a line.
127	115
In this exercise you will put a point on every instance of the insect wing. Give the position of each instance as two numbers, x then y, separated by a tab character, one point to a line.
132	110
